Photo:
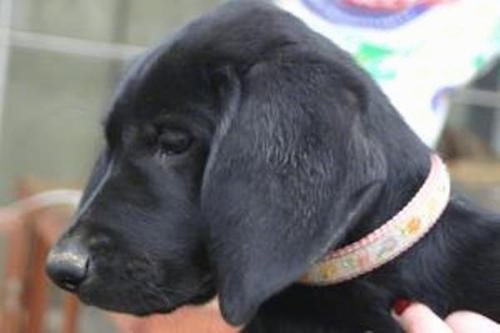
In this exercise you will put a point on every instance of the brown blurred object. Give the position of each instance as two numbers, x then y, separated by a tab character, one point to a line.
461	143
473	165
30	232
470	160
475	172
24	290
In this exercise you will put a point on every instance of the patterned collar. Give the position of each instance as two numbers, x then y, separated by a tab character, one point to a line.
393	238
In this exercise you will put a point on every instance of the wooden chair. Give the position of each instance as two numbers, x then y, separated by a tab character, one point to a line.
30	228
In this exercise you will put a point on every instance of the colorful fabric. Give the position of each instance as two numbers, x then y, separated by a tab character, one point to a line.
416	50
393	238
389	5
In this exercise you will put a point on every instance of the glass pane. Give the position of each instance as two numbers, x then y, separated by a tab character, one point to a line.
89	19
51	123
148	24
123	21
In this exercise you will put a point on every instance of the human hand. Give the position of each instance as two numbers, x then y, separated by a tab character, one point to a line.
418	318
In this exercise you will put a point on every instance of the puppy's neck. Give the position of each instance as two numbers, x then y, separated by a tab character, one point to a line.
398	190
393	238
407	162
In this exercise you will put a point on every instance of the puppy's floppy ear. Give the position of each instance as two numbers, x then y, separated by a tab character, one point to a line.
289	170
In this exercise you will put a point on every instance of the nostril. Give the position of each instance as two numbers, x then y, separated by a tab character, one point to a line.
71	278
68	265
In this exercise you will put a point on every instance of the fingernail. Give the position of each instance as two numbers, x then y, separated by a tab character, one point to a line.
400	306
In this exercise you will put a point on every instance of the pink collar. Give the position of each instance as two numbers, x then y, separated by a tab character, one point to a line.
393	238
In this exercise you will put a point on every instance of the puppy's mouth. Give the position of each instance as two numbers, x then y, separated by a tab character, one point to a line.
146	298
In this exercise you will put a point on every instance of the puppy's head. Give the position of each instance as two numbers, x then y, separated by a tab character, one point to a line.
237	153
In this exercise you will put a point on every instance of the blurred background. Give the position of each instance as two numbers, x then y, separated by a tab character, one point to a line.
59	63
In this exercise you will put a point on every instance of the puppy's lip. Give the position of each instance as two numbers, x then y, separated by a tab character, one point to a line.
152	311
204	294
141	311
201	295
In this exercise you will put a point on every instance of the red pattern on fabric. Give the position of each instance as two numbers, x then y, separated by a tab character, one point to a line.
390	5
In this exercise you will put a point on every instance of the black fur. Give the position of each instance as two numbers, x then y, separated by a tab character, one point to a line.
293	151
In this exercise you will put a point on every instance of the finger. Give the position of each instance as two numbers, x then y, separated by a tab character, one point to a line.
469	322
418	318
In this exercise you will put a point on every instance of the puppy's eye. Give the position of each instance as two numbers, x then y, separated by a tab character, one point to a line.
174	142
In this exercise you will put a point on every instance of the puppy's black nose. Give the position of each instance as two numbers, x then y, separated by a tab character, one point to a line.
67	264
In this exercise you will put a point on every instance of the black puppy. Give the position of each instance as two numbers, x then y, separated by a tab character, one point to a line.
240	152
